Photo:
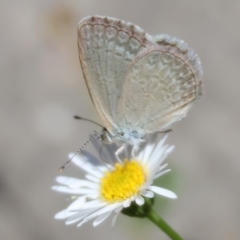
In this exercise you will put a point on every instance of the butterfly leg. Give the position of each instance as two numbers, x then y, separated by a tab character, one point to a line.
119	151
135	150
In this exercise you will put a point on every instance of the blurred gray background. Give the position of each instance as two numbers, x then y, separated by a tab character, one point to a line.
42	87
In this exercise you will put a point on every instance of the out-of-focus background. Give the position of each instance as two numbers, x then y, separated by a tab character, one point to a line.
42	87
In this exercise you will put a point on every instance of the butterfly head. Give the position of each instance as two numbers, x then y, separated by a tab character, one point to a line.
132	137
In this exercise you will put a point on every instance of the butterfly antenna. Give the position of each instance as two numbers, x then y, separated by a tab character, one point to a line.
165	131
88	120
95	136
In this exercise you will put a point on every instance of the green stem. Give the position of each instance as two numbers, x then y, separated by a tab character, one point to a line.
152	216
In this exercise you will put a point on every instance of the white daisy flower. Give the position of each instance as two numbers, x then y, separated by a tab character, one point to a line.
114	185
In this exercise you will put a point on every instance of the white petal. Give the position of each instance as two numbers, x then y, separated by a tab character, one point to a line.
170	149
93	195
79	216
77	204
66	180
64	214
147	152
155	169
108	208
156	157
92	178
93	204
75	183
83	163
162	173
147	194
162	167
141	154
166	153
159	145
147	183
101	218
115	217
139	200
162	191
76	218
104	168
126	203
81	223
73	191
163	140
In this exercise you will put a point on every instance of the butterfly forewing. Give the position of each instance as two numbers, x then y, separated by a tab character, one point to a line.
107	47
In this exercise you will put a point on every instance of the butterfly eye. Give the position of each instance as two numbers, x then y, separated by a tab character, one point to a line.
121	133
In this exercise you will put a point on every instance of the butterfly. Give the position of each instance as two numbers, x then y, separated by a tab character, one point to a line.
138	83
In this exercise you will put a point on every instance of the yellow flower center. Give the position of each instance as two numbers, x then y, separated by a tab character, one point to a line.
123	181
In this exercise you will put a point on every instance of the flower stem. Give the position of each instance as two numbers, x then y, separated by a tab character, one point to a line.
152	216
